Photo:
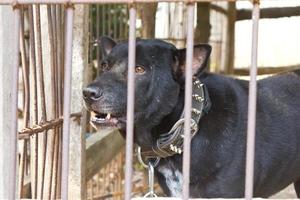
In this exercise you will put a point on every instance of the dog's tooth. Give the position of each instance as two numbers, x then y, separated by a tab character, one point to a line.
93	114
108	116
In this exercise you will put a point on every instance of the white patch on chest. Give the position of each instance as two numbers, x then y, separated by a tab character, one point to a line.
173	180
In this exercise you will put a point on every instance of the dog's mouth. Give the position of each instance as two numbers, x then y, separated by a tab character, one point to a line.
108	119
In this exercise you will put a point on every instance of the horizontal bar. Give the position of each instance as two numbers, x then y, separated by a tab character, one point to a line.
13	2
250	155
25	133
188	101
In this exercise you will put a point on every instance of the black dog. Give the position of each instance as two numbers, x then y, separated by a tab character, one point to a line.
218	148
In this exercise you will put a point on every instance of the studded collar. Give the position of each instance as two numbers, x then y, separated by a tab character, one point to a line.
171	143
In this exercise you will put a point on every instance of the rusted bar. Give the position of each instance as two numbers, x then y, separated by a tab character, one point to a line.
98	37
115	8
42	141
109	22
34	105
43	126
60	68
12	162
48	192
27	132
121	22
67	99
252	106
98	1
130	102
188	101
103	8
26	92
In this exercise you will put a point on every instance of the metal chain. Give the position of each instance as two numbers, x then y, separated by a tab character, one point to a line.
150	181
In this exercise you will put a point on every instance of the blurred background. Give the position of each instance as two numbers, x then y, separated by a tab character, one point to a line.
97	157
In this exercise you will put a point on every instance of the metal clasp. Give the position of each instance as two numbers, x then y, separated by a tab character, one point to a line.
140	159
150	166
150	181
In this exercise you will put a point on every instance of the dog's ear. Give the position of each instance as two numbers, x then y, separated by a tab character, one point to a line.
106	45
200	60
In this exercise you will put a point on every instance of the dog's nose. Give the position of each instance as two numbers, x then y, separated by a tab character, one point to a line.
91	93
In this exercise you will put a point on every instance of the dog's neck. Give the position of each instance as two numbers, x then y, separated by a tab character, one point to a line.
218	100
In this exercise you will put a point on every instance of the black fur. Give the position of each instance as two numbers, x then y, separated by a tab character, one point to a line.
218	149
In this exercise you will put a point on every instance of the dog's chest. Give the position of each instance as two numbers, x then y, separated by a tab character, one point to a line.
173	178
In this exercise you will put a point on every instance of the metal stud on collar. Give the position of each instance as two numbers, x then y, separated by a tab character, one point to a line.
197	97
175	149
197	112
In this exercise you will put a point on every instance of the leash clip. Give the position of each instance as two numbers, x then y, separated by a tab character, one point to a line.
150	166
140	159
150	181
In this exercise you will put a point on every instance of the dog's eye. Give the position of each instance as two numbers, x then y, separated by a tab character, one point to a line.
139	70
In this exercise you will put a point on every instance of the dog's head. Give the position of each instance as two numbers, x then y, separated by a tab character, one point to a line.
159	76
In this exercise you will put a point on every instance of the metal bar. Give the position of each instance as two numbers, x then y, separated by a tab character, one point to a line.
12	162
34	105
115	8
188	101
98	37
103	13
130	102
108	23
26	102
252	107
67	98
53	114
98	1
42	143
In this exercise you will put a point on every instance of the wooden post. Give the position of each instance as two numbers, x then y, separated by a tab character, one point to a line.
202	31
77	180
229	64
7	140
147	12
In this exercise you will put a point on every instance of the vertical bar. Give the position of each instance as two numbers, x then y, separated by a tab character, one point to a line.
67	98
130	102
252	106
103	19
188	101
98	37
14	104
33	105
115	9
26	103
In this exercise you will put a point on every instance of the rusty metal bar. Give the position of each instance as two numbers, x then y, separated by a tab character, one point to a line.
43	138
188	101
48	191
130	102
67	99
252	106
26	92
14	118
99	1
34	99
98	37
44	126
